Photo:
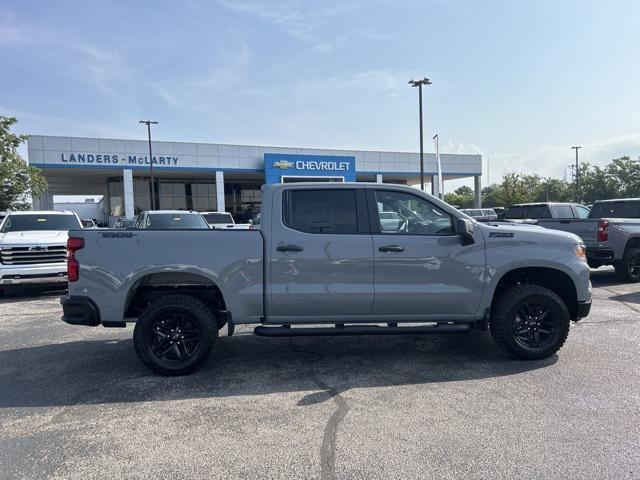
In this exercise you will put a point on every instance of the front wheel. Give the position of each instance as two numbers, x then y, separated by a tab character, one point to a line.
628	269
530	321
175	335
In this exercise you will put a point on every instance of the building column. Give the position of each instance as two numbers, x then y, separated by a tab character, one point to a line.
378	178
434	192
43	202
220	206
477	190
127	184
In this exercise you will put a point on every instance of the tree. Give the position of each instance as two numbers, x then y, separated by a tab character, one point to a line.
18	181
461	197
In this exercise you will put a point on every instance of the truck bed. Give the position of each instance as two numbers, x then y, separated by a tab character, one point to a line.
113	261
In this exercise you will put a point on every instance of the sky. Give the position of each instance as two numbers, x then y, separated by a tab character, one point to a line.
518	82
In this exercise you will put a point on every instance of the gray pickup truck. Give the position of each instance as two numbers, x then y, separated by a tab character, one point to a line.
323	263
611	233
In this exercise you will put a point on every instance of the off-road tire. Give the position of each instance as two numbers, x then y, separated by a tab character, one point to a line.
624	267
197	313
506	308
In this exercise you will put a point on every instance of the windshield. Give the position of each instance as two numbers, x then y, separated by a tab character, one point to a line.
218	217
176	220
615	210
26	223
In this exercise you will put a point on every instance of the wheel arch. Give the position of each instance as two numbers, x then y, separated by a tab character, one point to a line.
554	279
633	242
149	286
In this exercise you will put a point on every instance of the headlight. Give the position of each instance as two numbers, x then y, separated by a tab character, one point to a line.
581	251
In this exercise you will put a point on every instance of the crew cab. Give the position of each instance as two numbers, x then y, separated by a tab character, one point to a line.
531	212
33	247
611	233
328	259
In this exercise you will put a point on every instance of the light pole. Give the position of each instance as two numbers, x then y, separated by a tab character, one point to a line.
148	123
419	83
576	148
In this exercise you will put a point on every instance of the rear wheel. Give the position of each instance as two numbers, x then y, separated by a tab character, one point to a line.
530	321
628	269
175	335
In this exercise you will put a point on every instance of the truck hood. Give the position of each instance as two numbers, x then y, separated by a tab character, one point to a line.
35	237
528	231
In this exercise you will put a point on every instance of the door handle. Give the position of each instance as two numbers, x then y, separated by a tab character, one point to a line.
391	248
289	248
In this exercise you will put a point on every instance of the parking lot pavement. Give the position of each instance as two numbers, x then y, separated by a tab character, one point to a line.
76	403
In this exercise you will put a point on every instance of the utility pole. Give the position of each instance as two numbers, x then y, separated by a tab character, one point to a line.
419	83
576	148
148	123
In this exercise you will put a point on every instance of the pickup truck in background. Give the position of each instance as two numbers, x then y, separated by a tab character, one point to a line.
611	233
330	259
223	220
532	212
170	219
33	247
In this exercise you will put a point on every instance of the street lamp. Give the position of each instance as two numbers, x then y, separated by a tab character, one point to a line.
419	83
576	148
148	123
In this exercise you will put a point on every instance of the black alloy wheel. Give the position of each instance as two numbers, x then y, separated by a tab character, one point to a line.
175	337
529	321
534	325
175	334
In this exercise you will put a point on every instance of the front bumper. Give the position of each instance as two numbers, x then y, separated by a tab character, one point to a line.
80	311
583	309
33	274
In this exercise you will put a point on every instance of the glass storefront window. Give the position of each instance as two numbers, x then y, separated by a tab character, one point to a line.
173	196
243	200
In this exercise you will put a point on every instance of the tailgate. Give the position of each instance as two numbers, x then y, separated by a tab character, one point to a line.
585	228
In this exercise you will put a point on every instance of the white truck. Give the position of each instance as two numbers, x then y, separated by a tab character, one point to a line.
33	247
222	220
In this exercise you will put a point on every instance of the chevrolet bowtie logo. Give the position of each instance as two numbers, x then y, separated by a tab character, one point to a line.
283	164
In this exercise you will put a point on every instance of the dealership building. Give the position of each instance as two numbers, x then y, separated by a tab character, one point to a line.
211	176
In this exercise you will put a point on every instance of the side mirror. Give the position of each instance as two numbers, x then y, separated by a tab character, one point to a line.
464	228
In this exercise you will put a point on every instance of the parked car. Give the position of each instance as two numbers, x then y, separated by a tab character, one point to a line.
33	247
611	233
530	212
481	214
223	220
170	219
324	258
123	222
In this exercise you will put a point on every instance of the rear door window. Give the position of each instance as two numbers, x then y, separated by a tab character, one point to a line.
514	212
537	211
563	211
331	211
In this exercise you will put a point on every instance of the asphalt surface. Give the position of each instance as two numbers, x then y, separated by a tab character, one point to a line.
76	403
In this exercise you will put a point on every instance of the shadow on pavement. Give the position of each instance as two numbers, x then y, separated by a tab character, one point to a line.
605	278
27	294
95	372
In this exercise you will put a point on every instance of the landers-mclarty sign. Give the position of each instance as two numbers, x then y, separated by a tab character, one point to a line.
100	158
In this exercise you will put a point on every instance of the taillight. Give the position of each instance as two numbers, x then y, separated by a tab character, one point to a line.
603	236
73	267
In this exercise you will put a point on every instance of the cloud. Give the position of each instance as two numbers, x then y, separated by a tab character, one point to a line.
106	70
10	33
547	160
